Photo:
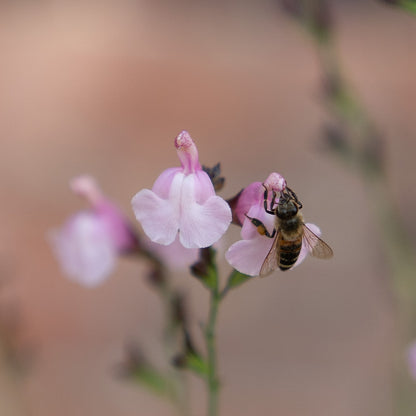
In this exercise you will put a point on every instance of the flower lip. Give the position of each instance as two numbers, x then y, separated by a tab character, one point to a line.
187	152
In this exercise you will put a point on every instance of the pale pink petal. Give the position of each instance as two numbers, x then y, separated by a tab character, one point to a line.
247	256
120	231
304	251
85	249
159	217
201	225
163	183
203	187
251	195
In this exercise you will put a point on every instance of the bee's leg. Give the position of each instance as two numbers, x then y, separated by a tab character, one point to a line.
266	197
261	228
272	204
294	196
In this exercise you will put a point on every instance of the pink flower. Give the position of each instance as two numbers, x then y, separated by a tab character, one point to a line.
88	244
247	255
183	201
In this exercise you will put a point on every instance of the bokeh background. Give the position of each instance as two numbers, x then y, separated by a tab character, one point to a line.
103	87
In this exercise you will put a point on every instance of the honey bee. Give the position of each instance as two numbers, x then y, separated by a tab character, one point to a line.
290	233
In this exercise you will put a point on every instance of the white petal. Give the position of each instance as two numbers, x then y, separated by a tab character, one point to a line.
159	217
201	225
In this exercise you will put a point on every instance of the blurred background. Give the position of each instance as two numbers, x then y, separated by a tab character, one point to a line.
103	87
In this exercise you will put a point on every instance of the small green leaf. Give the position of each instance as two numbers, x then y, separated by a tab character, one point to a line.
193	362
210	279
197	364
153	380
408	5
205	269
236	279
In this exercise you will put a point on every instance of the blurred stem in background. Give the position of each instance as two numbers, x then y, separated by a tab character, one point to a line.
210	340
354	139
407	5
11	395
13	363
170	384
172	304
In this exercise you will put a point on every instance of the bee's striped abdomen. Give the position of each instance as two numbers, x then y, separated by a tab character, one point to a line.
289	252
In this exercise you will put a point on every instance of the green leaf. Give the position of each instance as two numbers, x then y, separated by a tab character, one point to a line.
197	364
408	5
205	269
210	279
153	380
236	279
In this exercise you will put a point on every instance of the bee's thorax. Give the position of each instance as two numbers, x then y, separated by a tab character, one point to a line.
291	228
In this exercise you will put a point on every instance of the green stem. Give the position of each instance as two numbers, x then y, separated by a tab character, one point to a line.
210	339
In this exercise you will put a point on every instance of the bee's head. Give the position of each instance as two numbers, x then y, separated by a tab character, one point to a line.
288	205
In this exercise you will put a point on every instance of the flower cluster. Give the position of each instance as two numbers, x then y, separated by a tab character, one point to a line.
180	214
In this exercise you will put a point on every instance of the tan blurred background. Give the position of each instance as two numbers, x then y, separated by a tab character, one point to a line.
103	87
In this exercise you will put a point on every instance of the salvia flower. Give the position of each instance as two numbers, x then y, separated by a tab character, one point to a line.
183	201
248	254
88	244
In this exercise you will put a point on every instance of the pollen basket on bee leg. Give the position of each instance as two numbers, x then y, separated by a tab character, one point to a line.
261	228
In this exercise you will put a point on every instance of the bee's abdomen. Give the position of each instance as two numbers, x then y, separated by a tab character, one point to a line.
289	253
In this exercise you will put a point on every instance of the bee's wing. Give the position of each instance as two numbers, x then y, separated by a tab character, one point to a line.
271	262
316	247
